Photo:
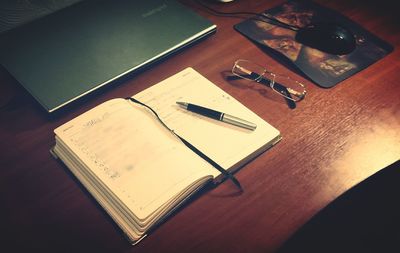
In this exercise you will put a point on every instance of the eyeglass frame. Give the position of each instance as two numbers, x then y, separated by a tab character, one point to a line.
283	90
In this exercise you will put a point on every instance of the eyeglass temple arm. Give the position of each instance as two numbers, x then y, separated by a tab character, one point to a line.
296	93
279	87
282	88
259	78
262	79
246	71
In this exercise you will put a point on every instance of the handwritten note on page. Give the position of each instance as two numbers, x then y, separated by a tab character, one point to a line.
131	152
226	144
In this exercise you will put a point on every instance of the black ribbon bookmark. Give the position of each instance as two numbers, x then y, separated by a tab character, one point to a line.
226	173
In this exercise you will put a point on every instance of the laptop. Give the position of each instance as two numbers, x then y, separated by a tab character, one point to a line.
65	55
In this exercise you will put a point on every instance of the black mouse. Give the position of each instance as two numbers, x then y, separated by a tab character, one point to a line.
327	37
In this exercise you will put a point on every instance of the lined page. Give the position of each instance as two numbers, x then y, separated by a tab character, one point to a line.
127	149
226	144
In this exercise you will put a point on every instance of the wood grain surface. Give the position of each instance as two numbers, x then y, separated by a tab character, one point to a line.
333	140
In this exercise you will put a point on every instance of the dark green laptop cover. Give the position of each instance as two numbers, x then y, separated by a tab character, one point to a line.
67	54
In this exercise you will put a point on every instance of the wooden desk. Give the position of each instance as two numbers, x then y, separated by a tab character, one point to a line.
334	139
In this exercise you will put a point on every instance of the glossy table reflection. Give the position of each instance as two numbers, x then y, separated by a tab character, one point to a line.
333	140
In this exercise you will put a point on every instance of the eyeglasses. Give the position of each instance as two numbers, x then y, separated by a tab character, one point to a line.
283	85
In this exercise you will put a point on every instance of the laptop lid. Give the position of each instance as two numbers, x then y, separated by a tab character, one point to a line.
74	51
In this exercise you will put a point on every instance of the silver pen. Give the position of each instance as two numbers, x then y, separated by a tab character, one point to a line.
218	115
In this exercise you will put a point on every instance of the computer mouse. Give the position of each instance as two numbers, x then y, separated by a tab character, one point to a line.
327	37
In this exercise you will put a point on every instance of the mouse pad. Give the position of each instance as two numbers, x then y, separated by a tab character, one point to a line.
324	69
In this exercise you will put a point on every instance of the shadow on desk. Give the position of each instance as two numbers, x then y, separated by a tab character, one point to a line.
364	219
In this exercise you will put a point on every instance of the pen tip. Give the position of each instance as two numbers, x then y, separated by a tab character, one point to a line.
181	103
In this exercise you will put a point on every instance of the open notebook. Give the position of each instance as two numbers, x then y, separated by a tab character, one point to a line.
137	169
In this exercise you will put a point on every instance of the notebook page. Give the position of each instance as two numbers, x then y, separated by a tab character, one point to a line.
226	144
127	148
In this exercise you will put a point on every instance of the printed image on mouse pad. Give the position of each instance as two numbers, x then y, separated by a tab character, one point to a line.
324	44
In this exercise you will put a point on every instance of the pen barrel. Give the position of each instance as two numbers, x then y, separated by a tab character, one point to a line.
205	111
238	122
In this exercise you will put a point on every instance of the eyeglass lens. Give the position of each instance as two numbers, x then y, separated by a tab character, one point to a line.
279	83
